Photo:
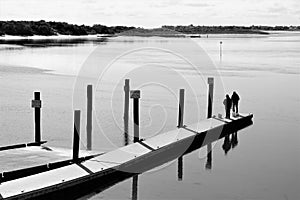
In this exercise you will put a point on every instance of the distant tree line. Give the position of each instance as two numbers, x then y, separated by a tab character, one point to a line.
29	28
275	28
191	29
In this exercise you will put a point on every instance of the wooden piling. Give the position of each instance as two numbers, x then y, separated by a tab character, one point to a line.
89	124
76	136
126	110
210	82
37	104
136	120
181	108
135	95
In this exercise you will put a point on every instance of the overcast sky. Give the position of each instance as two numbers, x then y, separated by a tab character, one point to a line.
154	13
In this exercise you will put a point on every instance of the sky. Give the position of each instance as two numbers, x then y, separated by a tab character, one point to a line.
155	13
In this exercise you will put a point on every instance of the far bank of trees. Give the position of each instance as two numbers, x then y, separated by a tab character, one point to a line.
29	28
191	29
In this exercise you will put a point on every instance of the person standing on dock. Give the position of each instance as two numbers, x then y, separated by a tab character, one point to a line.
235	102
227	103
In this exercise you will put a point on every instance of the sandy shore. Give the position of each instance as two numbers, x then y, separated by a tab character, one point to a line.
52	37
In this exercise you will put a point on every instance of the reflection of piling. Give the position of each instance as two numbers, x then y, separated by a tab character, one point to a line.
37	104
180	168
135	95
181	108
135	187
126	110
234	140
209	157
210	82
89	116
76	136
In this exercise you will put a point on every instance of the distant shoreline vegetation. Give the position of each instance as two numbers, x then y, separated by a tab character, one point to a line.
30	28
183	31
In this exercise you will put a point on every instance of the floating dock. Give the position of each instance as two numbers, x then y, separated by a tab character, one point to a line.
78	179
80	176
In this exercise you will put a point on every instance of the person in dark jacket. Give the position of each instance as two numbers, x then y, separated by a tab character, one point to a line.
235	102
227	103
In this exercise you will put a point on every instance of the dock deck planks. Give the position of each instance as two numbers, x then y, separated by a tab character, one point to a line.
168	138
42	180
26	157
116	157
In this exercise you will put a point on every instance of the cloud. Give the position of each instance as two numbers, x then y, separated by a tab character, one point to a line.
154	13
164	3
276	8
198	4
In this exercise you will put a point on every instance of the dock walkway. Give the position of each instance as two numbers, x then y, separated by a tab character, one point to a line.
26	157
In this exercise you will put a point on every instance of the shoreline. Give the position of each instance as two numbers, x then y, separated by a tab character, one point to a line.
92	37
52	37
98	36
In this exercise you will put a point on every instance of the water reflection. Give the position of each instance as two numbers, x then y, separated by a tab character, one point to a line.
135	180
234	140
208	165
226	145
180	168
230	142
42	43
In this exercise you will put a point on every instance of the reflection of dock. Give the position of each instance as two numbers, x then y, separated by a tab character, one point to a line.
74	178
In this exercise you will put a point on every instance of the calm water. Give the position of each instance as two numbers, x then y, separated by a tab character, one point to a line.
264	70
